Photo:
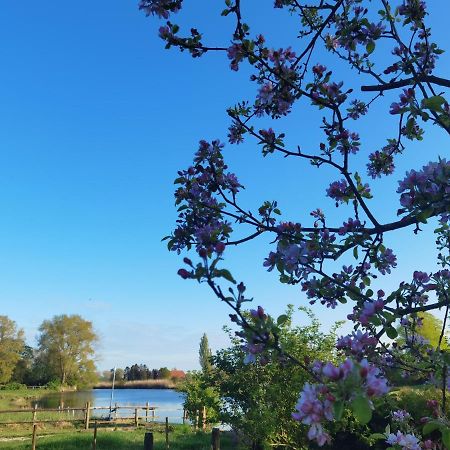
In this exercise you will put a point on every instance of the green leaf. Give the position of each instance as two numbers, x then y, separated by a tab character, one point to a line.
338	409
355	252
391	332
224	273
370	47
433	103
361	409
369	292
378	436
282	319
446	437
429	427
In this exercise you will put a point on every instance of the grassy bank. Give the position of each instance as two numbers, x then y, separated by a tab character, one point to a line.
180	438
11	399
143	384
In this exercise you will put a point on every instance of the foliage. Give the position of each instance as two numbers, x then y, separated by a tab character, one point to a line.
428	327
389	55
204	354
11	345
258	399
23	370
66	349
198	393
142	372
163	373
13	386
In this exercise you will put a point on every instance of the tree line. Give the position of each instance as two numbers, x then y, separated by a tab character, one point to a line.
137	372
64	354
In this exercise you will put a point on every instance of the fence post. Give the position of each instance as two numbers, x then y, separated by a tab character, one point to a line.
115	411
196	419
146	411
167	432
34	413
184	416
148	441
94	442
204	418
153	414
33	440
87	416
215	439
136	419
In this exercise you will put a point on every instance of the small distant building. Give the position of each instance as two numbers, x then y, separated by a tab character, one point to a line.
177	374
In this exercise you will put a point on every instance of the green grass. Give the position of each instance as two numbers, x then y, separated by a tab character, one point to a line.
23	398
20	398
180	438
71	436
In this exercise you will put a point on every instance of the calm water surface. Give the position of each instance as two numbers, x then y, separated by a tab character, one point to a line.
167	401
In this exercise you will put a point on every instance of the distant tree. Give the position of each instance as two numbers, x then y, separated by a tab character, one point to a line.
205	354
119	374
23	370
164	373
66	346
136	372
428	327
11	345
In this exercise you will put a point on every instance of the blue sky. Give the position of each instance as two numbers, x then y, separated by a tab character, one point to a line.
96	119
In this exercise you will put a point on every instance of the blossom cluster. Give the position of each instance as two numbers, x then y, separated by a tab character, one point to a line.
160	8
405	441
344	383
200	220
429	187
357	343
381	162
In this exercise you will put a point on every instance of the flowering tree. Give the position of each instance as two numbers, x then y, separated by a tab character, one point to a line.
211	217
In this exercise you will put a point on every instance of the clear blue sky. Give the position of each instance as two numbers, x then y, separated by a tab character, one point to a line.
96	118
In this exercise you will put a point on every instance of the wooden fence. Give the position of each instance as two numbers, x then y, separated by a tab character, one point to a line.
141	415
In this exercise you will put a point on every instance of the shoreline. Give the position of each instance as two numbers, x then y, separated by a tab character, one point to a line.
144	384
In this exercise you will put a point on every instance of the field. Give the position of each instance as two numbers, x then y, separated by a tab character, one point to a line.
71	436
180	438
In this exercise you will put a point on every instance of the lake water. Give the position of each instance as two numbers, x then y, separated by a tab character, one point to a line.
167	401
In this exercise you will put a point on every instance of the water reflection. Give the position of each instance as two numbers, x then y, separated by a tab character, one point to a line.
168	402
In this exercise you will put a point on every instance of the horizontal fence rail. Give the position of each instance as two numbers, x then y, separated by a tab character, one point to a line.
141	414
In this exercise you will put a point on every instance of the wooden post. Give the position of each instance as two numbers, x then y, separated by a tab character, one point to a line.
215	439
94	442
87	416
153	414
146	411
196	419
34	413
148	441
136	418
33	439
184	416
115	411
204	418
167	432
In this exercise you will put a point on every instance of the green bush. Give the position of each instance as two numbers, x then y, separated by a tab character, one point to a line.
198	394
413	399
54	385
13	386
